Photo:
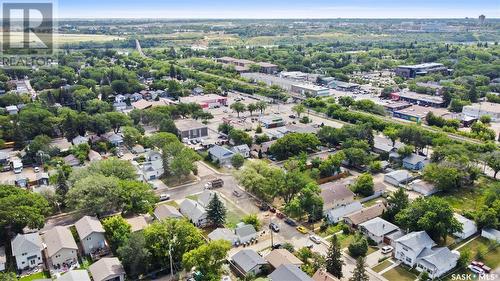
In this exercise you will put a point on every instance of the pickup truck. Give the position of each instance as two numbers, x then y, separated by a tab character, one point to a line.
214	184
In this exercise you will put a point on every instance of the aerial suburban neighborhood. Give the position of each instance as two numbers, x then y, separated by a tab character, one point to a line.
272	144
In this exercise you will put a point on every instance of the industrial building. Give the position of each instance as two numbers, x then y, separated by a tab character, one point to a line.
205	101
418	113
243	65
412	71
483	108
310	90
418	99
191	129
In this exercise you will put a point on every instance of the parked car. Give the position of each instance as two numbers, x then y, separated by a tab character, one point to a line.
36	169
272	210
291	116
302	229
277	246
476	269
290	222
315	239
274	227
236	193
214	184
280	215
387	249
263	207
310	246
164	196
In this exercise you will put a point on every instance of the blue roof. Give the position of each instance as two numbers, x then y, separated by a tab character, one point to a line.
220	152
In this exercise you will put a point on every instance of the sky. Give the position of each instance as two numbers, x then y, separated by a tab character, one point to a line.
277	8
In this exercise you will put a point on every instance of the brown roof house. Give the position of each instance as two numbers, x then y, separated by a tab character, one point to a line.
365	214
335	194
278	257
61	247
107	269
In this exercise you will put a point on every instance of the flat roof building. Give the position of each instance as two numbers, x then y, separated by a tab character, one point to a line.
205	101
483	108
191	129
418	113
412	71
310	90
418	99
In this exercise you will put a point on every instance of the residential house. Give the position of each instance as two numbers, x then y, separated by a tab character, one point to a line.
410	247
338	214
138	149
245	232
27	250
114	138
3	259
194	212
120	106
11	109
42	179
137	223
390	239
191	129
21	181
205	197
75	275
107	269
221	155
491	233
288	272
135	97
437	262
152	168
60	246
165	211
377	229
224	234
322	275
120	98
469	227
414	162
91	234
398	177
197	91
94	156
335	194
243	149
278	257
71	160
79	140
383	145
423	187
247	261
365	214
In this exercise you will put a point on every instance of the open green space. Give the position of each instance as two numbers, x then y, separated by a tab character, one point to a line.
381	266
483	250
36	276
399	273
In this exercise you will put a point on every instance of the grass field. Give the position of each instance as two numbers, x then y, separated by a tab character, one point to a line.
233	215
490	254
68	38
399	274
470	198
39	275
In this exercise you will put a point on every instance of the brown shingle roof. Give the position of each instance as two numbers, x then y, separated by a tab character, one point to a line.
334	191
366	214
58	238
278	257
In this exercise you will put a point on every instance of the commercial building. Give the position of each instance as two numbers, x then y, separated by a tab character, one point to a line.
418	113
418	99
483	108
191	129
412	71
332	83
309	90
205	101
243	65
272	121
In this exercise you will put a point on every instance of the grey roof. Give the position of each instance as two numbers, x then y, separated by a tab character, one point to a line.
438	258
205	197
399	175
222	234
88	225
414	159
188	124
106	267
113	137
395	235
334	191
75	275
289	272
79	140
248	259
164	211
245	230
467	224
417	241
23	243
345	210
220	152
378	226
241	148
192	209
58	238
366	214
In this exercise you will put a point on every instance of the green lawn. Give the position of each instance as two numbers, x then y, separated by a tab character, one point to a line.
39	275
171	203
332	229
233	215
491	252
469	198
381	266
192	197
399	273
371	250
345	240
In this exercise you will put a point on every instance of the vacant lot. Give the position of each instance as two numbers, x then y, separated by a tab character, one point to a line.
68	38
488	252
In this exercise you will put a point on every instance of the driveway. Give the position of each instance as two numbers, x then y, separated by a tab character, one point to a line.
373	258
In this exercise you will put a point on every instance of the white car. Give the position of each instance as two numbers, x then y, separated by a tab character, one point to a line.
36	169
164	196
315	239
476	269
387	249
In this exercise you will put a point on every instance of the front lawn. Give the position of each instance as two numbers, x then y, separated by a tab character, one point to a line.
36	276
399	273
383	265
490	253
233	215
330	230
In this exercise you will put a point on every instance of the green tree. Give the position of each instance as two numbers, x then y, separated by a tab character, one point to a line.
406	150
464	259
207	259
237	160
134	255
252	107
293	144
238	107
20	208
239	137
298	109
493	161
216	211
179	160
396	202
160	139
117	231
131	136
334	260
136	197
358	247
433	215
253	220
261	105
363	185
359	273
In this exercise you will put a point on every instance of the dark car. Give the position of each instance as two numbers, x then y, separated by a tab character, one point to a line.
280	215
264	207
290	222
277	246
274	227
272	210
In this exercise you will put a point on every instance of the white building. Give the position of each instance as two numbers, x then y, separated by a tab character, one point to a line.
377	229
437	261
61	247
107	269
91	234
194	212
477	110
409	247
27	250
469	227
245	232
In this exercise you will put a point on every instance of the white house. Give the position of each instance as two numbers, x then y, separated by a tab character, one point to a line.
91	234
491	234
194	212
61	247
243	149
152	168
337	214
377	229
437	261
409	247
469	227
224	234
79	140
107	269
245	232
423	187
27	250
247	261
398	177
